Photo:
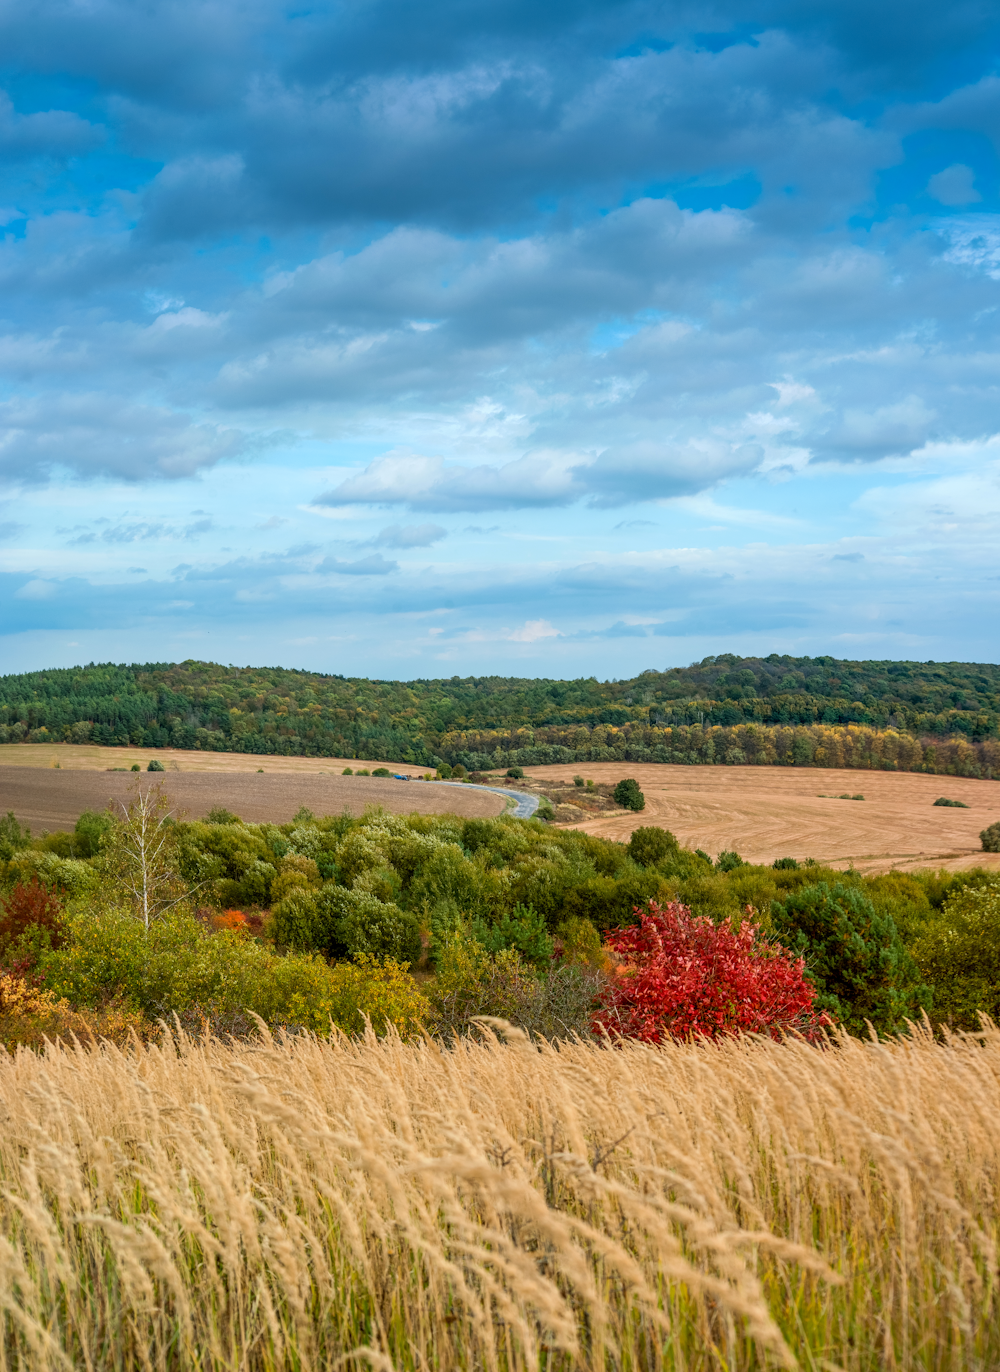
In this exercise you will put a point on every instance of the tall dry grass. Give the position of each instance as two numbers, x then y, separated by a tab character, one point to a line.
306	1205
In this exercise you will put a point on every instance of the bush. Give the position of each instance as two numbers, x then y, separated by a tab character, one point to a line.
958	951
990	838
70	875
135	767
579	781
177	966
356	923
785	865
30	920
347	772
607	902
219	815
62	844
854	955
652	846
12	837
955	804
579	944
680	976
516	772
903	898
728	861
90	828
154	765
383	992
233	864
381	772
523	929
31	1017
628	795
472	982
296	872
296	921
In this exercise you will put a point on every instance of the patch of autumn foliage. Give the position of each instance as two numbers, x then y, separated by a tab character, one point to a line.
239	922
234	920
30	905
678	976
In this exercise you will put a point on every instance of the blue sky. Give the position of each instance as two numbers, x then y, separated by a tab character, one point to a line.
551	339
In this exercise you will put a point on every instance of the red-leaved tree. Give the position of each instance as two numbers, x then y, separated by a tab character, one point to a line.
30	905
678	976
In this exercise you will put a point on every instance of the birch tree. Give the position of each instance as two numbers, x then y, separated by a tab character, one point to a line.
139	852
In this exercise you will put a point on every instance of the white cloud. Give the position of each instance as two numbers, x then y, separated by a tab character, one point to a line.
428	483
533	630
36	590
954	186
974	243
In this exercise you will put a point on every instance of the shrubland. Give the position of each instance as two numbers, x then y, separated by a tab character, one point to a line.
226	924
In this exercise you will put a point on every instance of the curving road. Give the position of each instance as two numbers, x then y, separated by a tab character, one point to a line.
524	808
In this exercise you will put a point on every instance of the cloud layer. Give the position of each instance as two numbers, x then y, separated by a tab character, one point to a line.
529	264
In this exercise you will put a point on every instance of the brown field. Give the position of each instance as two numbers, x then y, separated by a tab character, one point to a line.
49	799
765	813
89	757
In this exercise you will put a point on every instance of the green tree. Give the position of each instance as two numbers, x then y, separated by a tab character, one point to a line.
628	795
90	828
651	846
12	836
990	838
521	928
854	956
728	861
958	951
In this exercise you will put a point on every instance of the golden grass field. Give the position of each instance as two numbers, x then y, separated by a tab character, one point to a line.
316	1205
765	813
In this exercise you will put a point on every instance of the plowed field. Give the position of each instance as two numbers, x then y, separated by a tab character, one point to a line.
48	799
765	813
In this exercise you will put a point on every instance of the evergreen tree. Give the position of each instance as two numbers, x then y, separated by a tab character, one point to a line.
854	956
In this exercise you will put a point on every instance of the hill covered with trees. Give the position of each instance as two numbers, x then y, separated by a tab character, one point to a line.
943	716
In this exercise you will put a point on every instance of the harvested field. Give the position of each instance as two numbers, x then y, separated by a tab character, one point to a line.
765	813
48	799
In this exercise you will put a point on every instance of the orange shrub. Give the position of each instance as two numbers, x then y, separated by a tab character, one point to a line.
233	920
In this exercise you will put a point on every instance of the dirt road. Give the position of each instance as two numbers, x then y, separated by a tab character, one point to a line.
765	813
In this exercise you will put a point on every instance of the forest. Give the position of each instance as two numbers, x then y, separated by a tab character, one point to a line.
931	716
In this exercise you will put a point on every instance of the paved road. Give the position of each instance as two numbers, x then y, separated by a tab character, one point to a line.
526	804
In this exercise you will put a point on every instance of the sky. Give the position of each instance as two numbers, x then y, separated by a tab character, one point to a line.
562	340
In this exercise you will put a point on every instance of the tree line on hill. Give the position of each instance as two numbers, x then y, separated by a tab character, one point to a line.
778	710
